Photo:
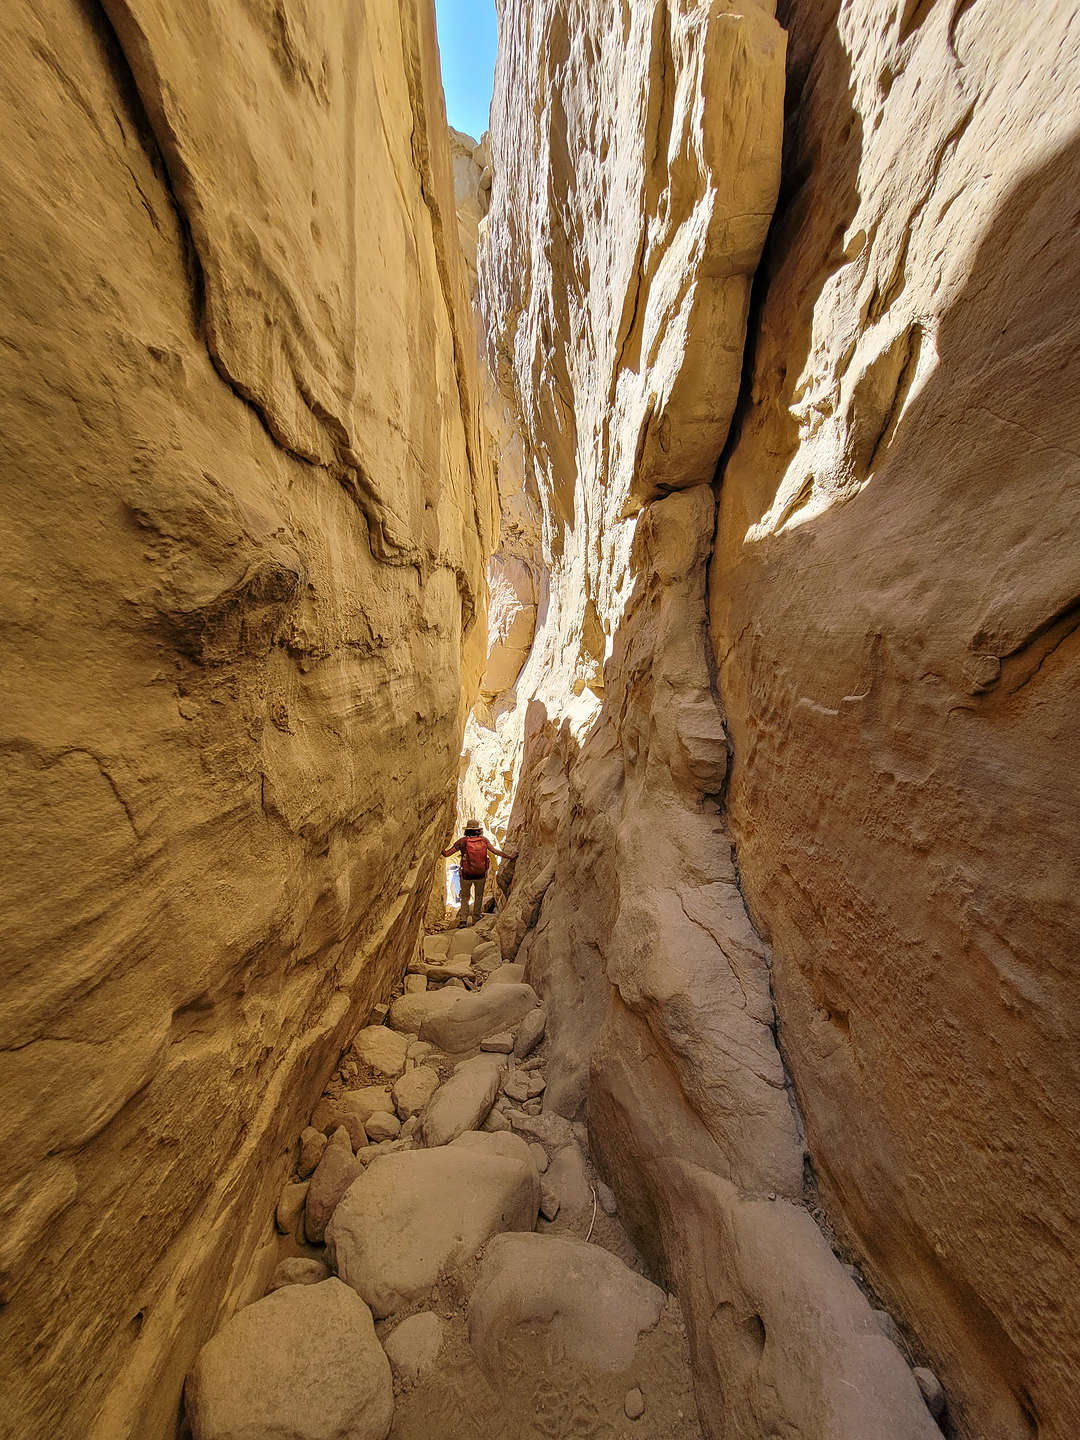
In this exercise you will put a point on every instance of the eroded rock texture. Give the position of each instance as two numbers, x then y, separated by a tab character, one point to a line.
635	170
893	658
894	611
245	538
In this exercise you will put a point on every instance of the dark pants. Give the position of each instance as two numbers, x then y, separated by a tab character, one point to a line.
472	891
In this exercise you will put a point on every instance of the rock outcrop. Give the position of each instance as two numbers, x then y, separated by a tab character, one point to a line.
245	545
864	636
894	615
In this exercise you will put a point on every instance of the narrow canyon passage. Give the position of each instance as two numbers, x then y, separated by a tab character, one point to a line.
681	479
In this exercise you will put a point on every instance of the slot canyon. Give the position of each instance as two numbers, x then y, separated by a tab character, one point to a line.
681	481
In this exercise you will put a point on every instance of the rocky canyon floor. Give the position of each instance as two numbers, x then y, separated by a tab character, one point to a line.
490	1288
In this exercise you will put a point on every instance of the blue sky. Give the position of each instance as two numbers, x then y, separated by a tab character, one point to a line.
467	41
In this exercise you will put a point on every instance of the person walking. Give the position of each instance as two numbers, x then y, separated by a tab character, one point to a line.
474	849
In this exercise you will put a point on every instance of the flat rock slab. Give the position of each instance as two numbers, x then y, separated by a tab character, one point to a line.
409	1013
381	1048
592	1304
301	1364
506	975
472	1016
463	1102
414	1215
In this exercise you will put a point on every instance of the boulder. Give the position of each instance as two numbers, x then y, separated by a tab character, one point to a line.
501	1044
592	1305
472	1016
536	1086
540	1156
413	1091
361	1103
415	984
414	1345
458	969
290	1206
463	942
301	1364
334	1173
463	1102
496	1123
512	1146
382	1049
516	1086
382	1126
550	1204
530	1032
506	975
412	1216
419	1051
434	947
568	1178
297	1270
409	1013
312	1145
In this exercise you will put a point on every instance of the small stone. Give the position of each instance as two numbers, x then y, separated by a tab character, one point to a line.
312	1145
297	1271
501	1044
496	1122
382	1126
530	1032
379	1013
533	1107
540	1155
415	984
413	1091
289	1207
606	1197
889	1328
537	1085
516	1087
549	1203
532	1064
381	1048
931	1389
419	1051
410	1126
634	1404
414	1345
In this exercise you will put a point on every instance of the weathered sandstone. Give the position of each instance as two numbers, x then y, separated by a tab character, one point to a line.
244	544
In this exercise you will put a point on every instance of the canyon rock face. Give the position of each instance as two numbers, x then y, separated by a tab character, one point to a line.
246	535
894	613
808	699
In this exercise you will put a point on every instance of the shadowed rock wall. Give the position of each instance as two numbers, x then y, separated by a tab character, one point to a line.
245	534
894	606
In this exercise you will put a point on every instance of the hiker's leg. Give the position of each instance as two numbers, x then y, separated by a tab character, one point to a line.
478	898
466	891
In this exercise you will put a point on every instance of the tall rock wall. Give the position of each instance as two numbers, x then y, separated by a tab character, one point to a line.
894	612
245	537
636	163
795	776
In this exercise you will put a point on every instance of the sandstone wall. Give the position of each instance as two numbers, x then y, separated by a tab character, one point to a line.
894	613
245	534
635	166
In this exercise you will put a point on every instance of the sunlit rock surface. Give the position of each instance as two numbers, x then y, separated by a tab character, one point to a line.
894	613
245	536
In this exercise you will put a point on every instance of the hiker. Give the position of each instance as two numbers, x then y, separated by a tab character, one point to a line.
473	848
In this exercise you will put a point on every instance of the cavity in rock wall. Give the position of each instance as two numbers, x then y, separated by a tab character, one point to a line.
245	536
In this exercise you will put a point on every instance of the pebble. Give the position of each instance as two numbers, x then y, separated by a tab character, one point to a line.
533	1107
537	1085
606	1196
382	1126
634	1404
455	984
539	1154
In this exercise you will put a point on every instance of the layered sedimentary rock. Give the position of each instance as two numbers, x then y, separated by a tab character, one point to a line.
894	612
635	167
245	540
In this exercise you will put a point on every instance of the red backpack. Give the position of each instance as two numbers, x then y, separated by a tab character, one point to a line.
474	859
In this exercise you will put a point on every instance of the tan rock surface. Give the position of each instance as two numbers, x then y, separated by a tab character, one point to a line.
893	604
244	547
